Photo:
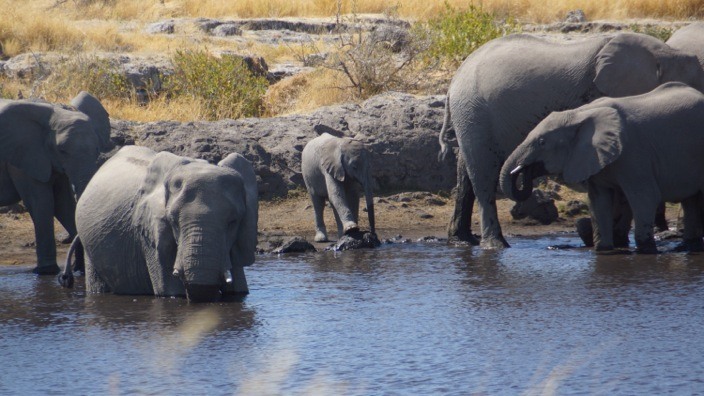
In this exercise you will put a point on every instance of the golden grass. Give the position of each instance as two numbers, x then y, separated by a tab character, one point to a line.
306	92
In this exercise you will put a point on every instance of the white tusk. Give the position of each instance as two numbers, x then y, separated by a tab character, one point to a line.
228	277
176	272
518	169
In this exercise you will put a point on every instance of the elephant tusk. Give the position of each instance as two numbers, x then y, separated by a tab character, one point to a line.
517	169
228	276
176	272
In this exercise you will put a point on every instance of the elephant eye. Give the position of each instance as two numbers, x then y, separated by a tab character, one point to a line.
177	184
541	142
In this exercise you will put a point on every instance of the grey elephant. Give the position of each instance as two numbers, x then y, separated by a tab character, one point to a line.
647	147
332	167
48	153
510	84
165	225
689	39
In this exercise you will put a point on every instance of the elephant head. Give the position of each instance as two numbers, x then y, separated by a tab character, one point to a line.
39	138
345	158
632	63
575	144
202	221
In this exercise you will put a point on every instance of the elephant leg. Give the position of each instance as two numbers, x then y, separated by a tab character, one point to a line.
623	216
38	198
339	200
65	212
338	221
352	195
65	206
601	207
460	226
644	205
8	192
693	224
660	219
239	282
321	233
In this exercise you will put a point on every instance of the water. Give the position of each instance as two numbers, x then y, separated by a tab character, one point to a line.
400	320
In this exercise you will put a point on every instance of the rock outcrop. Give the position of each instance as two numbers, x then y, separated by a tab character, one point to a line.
401	131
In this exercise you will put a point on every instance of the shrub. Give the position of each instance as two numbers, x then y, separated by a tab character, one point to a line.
225	85
81	72
662	33
456	34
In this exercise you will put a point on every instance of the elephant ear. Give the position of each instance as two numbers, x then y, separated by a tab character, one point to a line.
597	143
24	135
99	117
331	159
244	248
159	169
626	65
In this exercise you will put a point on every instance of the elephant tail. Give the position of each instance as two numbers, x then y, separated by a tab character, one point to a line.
444	147
66	277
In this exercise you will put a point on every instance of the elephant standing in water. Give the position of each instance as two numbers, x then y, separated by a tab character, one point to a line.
161	224
47	153
510	84
647	147
331	168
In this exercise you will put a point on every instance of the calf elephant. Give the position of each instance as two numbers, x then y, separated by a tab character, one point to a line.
506	87
646	147
165	225
47	153
331	168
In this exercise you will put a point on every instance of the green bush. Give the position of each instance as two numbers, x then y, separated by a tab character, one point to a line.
662	33
225	85
456	34
87	73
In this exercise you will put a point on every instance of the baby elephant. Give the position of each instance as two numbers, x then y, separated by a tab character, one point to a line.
648	147
332	167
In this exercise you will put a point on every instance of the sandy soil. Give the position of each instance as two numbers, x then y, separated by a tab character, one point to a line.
411	215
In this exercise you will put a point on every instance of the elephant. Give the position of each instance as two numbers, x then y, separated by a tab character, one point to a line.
48	153
332	166
689	39
502	90
165	225
647	147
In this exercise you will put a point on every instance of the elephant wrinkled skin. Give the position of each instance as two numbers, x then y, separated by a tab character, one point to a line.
510	84
161	224
647	147
47	153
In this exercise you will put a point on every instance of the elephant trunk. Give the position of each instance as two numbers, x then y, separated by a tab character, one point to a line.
510	174
203	264
79	179
370	206
523	192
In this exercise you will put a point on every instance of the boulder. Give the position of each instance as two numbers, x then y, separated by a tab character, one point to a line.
539	207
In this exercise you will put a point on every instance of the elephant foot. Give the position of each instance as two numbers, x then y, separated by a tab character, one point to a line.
494	243
350	228
646	248
585	231
463	236
51	269
690	245
320	237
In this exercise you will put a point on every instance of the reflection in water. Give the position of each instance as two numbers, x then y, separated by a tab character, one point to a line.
410	319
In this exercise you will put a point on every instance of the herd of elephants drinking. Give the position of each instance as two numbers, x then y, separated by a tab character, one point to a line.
620	115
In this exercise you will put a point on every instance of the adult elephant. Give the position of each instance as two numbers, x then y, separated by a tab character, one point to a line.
647	147
48	154
165	225
510	84
332	167
689	39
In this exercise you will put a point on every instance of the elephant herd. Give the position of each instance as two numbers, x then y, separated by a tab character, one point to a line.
620	115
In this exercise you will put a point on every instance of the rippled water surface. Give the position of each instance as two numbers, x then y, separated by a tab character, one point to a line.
402	319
